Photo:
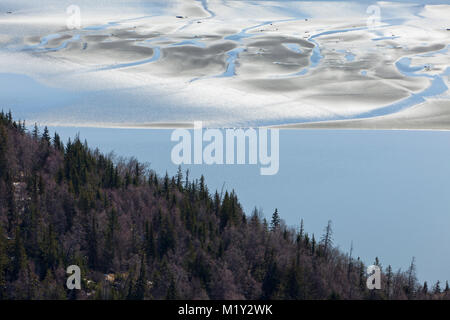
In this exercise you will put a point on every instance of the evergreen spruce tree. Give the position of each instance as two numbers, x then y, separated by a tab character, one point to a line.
35	132
271	282
141	283
172	290
437	288
275	222
137	174
4	259
58	145
3	151
389	281
327	238
293	285
313	245
412	278
301	233
149	242
425	288
12	214
179	178
20	257
110	244
46	136
92	239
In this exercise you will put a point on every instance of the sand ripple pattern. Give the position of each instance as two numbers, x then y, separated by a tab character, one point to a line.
314	69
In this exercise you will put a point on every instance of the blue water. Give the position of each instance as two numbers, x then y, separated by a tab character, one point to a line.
206	8
230	70
48	38
63	45
385	38
238	37
404	66
102	27
42	45
387	191
36	97
231	62
156	56
195	43
316	55
293	47
432	54
436	88
243	34
348	55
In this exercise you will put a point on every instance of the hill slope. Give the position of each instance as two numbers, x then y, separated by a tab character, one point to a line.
136	235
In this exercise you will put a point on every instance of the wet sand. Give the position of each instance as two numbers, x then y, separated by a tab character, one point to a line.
431	115
238	63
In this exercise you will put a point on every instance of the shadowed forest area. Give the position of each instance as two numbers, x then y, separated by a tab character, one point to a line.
137	235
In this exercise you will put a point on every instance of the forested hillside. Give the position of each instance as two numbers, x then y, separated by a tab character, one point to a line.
137	235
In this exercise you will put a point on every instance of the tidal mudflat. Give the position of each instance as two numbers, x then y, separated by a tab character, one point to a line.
234	63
